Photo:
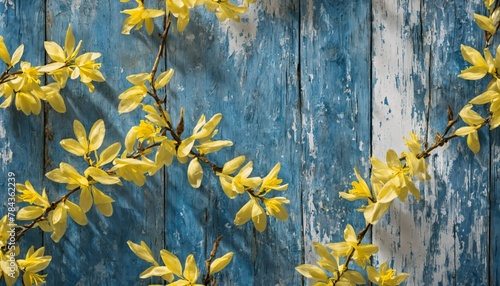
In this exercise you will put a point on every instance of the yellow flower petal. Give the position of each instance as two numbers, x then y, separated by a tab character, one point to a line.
73	147
54	51
29	213
101	176
96	135
244	214
16	56
312	272
4	52
142	251
195	173
76	213
163	78
190	270
233	165
81	134
172	262
220	263
473	142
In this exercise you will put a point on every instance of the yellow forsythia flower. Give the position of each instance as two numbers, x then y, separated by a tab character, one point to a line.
384	195
180	10
53	97
418	166
87	69
275	208
28	90
223	9
241	181
67	174
203	131
30	195
63	57
189	276
362	252
360	189
225	178
138	16
133	169
252	210
131	98
35	262
330	264
480	65
271	181
492	95
386	276
83	145
394	173
58	218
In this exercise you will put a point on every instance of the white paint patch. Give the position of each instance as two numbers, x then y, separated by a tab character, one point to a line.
310	17
294	127
3	132
394	64
313	150
242	34
5	151
7	4
190	37
2	21
270	7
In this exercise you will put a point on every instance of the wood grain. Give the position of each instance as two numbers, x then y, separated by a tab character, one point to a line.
317	85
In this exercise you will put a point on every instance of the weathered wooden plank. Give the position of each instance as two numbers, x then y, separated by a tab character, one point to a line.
416	58
102	253
261	118
494	208
21	137
335	114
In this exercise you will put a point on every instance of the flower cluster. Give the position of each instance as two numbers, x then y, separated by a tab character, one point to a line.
179	9
390	180
172	271
24	86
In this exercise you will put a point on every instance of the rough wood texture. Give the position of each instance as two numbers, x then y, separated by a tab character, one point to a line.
319	86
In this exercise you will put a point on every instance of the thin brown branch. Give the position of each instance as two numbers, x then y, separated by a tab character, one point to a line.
206	278
40	218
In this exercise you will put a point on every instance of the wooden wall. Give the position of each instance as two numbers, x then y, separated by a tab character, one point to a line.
318	85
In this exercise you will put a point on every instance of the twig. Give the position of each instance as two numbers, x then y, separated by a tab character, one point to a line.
206	278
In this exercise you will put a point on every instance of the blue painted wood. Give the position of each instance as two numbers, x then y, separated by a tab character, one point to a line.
103	254
461	185
452	219
494	212
22	138
335	115
233	83
319	86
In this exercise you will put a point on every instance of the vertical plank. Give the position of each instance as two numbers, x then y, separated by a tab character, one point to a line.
416	59
335	111
22	22
261	117
400	106
494	208
103	256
